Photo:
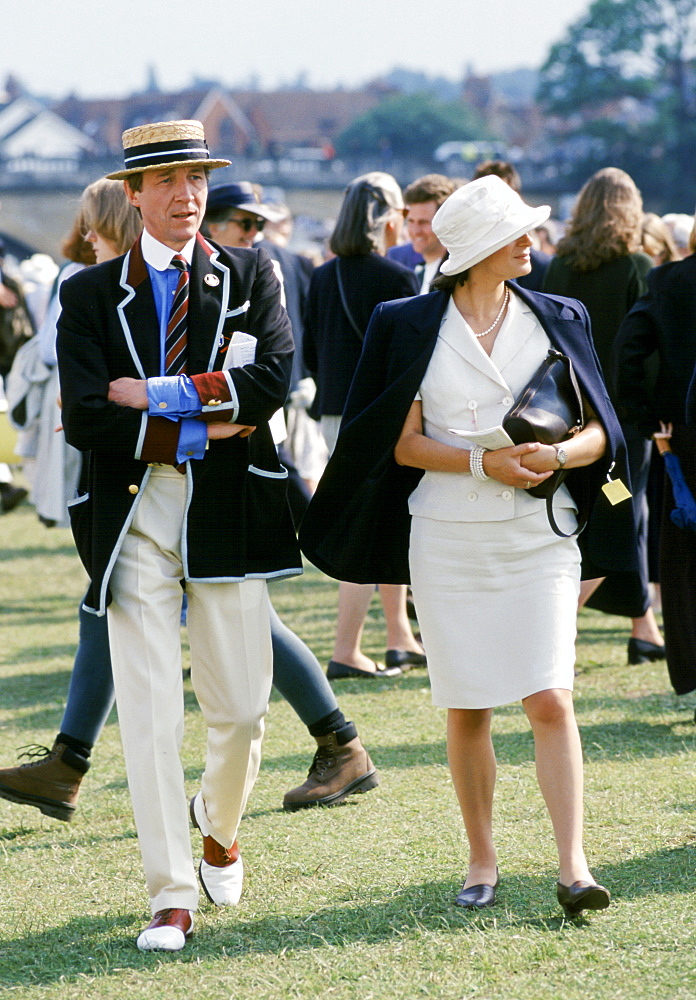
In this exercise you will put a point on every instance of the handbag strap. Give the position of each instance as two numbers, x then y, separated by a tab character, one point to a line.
573	381
344	302
583	516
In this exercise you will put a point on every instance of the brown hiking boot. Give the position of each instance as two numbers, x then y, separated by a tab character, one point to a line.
336	772
52	784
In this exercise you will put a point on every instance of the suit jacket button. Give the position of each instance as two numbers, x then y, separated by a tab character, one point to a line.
133	489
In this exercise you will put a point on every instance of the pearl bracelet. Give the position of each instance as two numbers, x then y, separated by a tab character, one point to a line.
476	463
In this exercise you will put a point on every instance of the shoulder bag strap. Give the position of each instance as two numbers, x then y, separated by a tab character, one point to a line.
583	516
344	302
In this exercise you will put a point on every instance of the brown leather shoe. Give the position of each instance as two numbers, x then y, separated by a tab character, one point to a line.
52	783
168	930
337	771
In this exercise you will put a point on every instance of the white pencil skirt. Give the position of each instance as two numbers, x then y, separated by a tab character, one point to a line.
497	606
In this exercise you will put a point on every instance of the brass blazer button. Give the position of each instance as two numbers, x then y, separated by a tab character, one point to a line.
133	489
214	402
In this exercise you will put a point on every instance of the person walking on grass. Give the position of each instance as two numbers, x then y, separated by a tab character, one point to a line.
184	484
495	588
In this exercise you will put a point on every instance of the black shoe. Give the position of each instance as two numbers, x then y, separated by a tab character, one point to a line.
641	651
11	496
582	896
336	671
478	897
405	659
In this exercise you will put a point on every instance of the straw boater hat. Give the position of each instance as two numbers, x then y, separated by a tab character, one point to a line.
480	218
162	145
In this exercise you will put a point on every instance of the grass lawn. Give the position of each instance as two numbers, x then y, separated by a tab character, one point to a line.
356	901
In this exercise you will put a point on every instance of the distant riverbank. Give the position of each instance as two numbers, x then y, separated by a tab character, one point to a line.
44	218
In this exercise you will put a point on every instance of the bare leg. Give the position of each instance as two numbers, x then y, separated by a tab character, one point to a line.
560	774
399	632
353	601
587	589
472	766
646	628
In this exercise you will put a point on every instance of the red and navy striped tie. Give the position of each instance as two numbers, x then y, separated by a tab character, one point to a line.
175	345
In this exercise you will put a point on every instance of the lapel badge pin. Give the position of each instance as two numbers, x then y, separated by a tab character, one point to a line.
211	279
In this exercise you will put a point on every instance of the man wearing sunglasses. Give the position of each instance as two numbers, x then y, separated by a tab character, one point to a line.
235	216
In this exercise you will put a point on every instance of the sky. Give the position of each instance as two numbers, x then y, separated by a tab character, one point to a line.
104	49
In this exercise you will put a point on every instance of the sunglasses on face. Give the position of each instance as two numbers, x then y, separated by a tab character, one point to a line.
248	224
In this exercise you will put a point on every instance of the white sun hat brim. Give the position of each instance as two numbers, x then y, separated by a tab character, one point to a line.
480	218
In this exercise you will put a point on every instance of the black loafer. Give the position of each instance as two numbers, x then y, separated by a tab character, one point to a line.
337	671
641	651
405	659
582	896
477	897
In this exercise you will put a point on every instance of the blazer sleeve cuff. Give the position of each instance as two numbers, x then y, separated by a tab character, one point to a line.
161	441
217	394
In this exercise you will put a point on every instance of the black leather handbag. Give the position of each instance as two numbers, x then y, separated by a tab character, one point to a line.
549	410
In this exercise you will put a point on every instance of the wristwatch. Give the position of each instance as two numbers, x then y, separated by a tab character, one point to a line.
561	455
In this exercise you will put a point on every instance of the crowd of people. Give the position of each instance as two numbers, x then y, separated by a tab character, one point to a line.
194	393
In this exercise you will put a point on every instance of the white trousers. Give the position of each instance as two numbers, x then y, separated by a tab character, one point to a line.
231	672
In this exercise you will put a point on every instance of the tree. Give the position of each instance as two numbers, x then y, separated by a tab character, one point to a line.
624	76
409	125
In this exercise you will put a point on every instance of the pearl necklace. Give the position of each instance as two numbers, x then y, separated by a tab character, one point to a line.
497	318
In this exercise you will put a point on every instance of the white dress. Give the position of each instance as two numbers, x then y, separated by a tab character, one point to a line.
495	589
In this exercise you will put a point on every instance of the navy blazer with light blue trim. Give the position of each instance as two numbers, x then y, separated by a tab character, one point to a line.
238	522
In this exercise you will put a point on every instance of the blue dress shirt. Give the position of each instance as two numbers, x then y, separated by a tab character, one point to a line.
177	391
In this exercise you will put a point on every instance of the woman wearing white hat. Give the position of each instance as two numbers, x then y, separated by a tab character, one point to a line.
495	589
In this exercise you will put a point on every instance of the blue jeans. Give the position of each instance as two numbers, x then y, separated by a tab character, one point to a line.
297	675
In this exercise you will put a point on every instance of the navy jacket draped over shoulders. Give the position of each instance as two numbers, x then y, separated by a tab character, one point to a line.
357	526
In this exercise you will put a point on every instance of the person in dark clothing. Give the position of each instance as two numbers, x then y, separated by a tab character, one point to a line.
599	261
663	323
342	296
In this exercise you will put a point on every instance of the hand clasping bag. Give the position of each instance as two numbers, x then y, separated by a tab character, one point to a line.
549	410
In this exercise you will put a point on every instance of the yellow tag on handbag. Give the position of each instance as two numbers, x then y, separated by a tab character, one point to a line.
615	491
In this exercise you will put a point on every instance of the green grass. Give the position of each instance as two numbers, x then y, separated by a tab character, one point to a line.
353	902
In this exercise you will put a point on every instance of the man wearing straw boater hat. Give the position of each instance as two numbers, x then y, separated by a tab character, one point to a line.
172	360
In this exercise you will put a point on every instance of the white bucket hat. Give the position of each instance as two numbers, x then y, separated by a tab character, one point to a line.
480	218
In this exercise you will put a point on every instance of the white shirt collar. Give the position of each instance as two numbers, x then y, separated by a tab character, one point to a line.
159	256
